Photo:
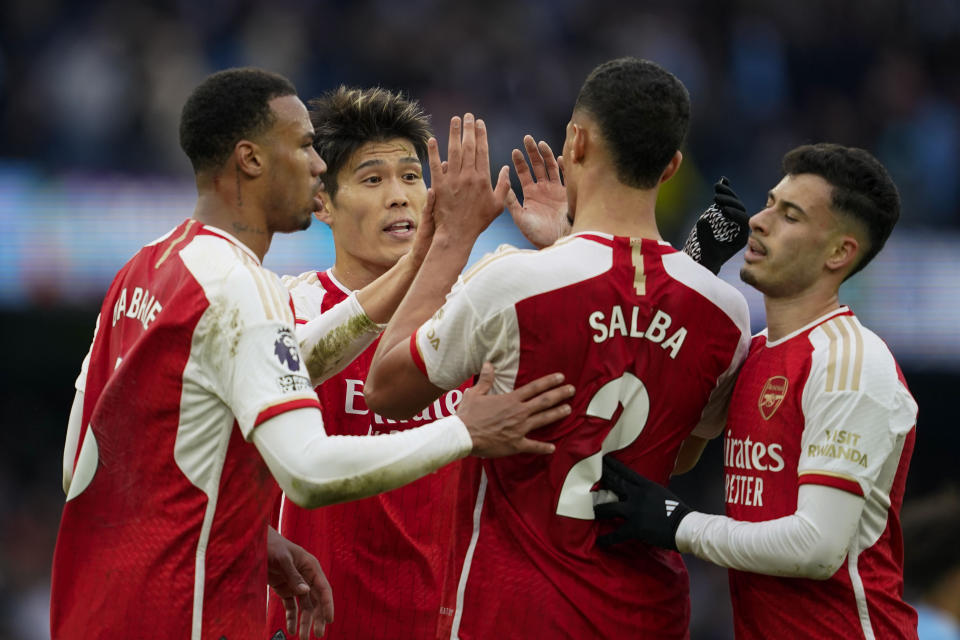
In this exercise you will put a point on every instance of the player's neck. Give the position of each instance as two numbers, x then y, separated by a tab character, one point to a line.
788	314
354	273
609	206
221	210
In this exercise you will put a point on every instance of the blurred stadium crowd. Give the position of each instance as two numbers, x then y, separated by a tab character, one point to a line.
94	88
99	84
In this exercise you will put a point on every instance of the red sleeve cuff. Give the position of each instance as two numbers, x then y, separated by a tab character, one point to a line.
300	321
837	482
417	358
283	407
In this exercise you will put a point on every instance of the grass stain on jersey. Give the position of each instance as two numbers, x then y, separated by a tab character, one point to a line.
329	351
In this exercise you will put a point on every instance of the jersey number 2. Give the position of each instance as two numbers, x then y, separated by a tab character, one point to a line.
576	498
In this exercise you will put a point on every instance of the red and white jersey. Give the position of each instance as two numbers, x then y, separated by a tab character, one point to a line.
825	405
385	555
652	342
164	531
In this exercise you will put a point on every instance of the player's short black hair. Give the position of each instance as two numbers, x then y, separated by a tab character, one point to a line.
346	118
228	106
862	188
643	112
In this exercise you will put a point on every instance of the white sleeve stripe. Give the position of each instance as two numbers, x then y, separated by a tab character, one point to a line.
468	559
283	503
200	560
860	594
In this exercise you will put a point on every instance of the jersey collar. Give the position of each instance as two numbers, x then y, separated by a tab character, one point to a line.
336	282
836	312
606	236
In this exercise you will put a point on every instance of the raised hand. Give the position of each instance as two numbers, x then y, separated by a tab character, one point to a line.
542	217
721	230
465	203
424	235
499	424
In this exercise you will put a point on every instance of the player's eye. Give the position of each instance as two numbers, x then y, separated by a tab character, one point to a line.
411	176
372	180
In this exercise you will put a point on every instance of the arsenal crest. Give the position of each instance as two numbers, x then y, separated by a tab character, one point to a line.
772	395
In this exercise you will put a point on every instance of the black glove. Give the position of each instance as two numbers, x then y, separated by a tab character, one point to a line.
652	513
721	231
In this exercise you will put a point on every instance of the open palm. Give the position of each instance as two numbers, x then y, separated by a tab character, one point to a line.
542	216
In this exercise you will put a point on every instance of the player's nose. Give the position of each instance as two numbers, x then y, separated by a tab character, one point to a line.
759	221
317	165
396	195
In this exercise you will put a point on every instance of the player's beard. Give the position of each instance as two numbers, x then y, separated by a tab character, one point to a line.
747	276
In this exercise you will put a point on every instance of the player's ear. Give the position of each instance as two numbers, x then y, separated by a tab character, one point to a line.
671	167
579	138
844	254
323	215
248	156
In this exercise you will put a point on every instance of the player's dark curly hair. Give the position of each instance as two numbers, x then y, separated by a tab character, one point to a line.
643	112
227	107
862	188
347	118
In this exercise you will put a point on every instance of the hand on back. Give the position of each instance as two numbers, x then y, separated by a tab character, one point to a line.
499	423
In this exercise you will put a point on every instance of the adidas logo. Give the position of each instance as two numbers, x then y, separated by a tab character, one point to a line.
671	506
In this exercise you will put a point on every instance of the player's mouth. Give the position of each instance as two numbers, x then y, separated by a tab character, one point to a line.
400	229
755	250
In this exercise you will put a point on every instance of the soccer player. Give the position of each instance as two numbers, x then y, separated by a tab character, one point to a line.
651	340
194	393
384	555
820	429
